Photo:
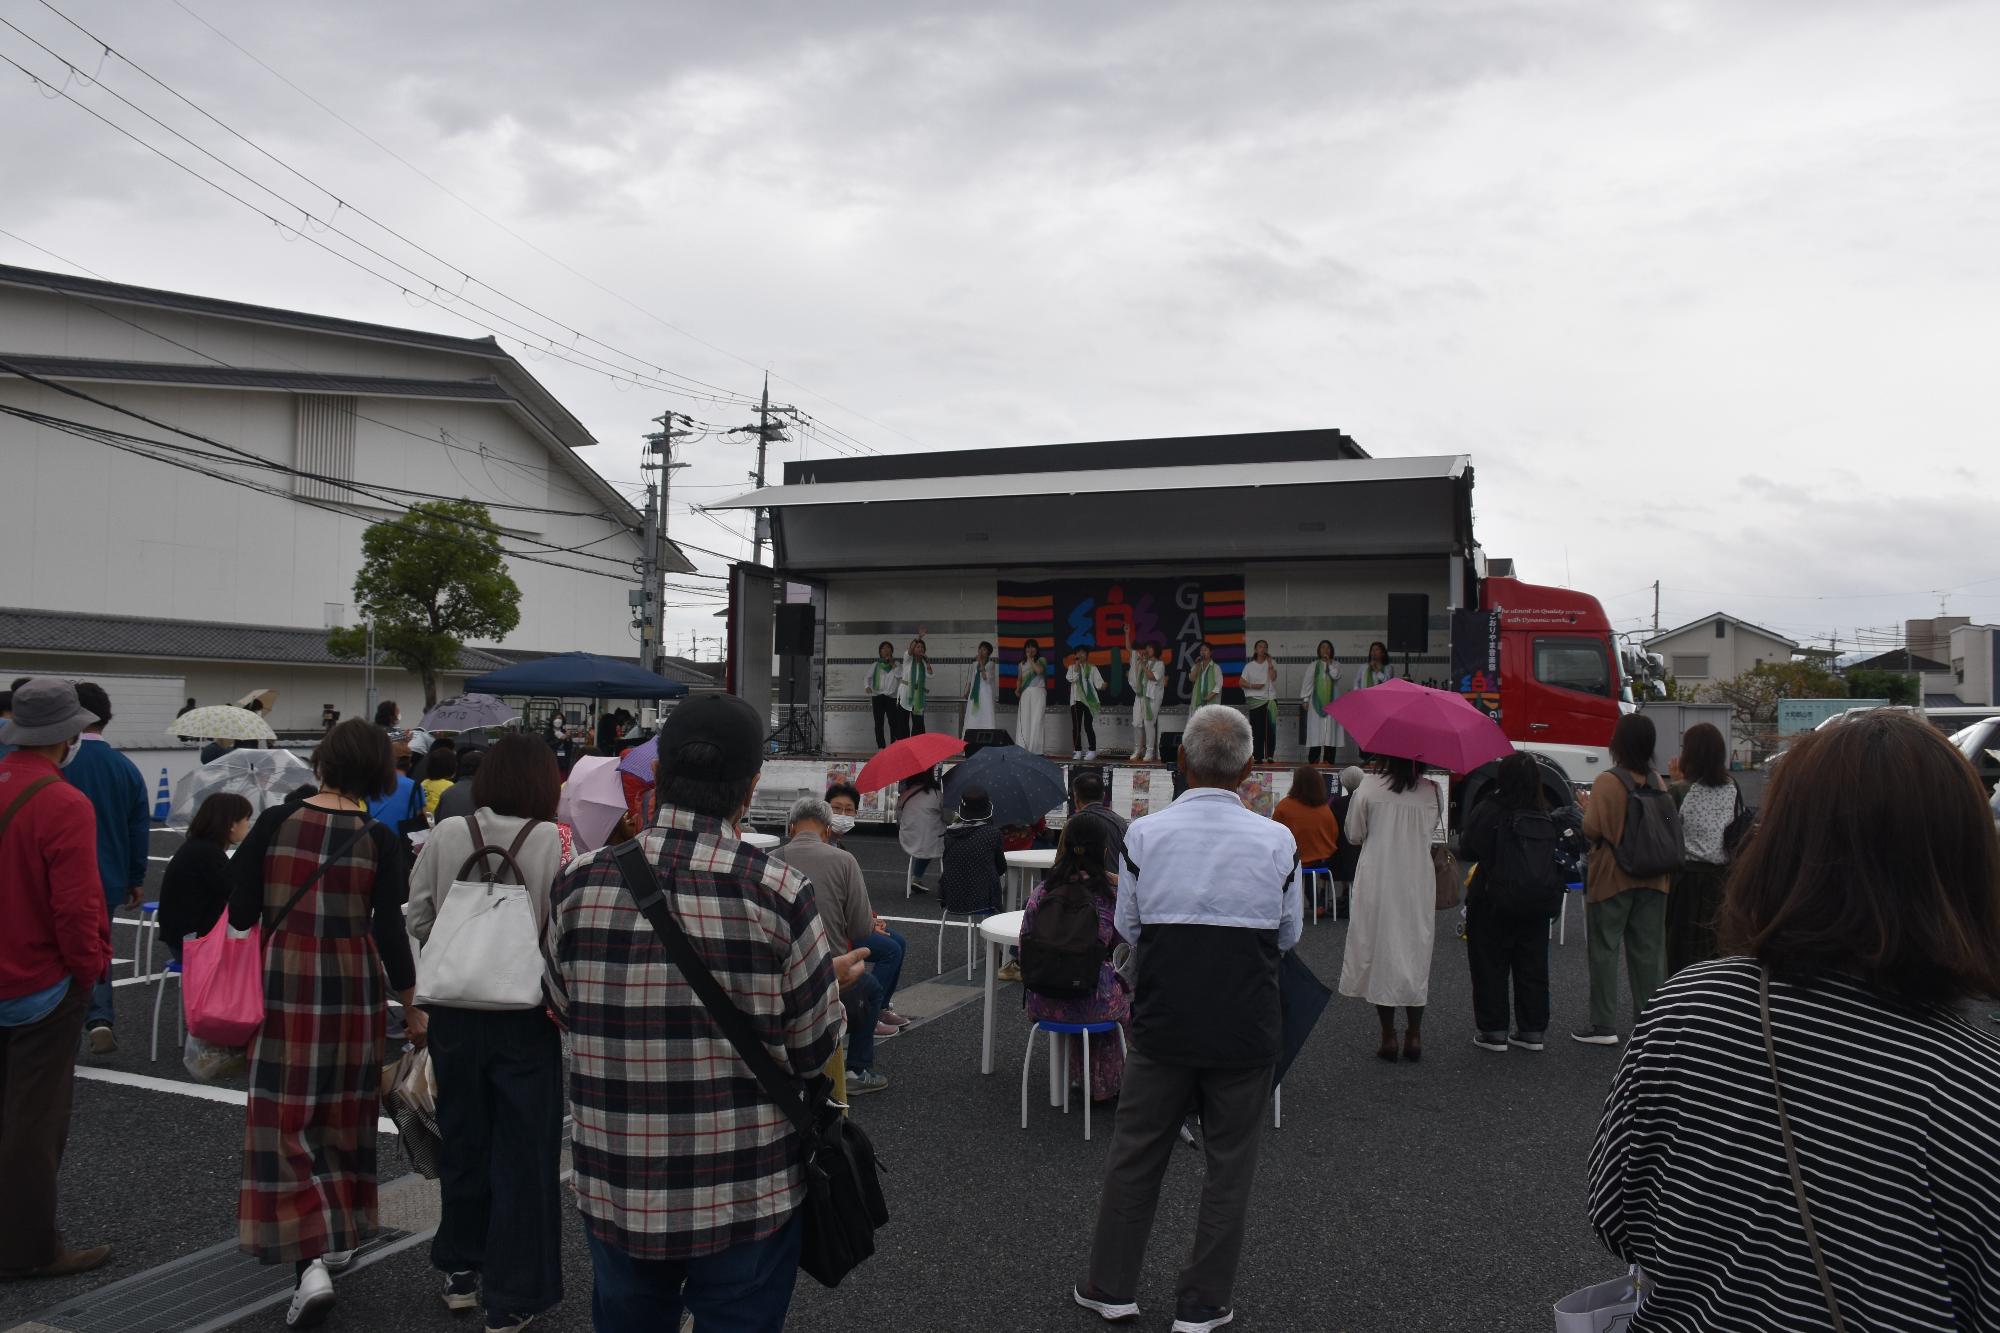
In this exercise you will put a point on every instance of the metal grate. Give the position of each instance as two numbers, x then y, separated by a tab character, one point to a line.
208	1290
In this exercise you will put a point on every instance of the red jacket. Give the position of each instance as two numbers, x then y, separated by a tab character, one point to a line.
50	896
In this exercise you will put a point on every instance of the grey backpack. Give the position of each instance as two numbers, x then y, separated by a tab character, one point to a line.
1651	843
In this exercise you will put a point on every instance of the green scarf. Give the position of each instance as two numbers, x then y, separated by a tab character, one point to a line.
978	674
1322	687
1027	675
875	675
1374	675
1086	688
1269	705
915	680
1142	685
1207	685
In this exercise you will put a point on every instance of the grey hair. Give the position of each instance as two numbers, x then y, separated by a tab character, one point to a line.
1216	742
809	809
1350	777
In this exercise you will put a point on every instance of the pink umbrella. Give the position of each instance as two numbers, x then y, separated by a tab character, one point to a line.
592	800
1416	722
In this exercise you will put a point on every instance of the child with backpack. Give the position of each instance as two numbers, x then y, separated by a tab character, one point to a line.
1068	933
1517	841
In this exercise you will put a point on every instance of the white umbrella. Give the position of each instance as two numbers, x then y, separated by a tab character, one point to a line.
221	722
260	776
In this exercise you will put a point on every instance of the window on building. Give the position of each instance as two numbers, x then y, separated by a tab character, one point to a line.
1721	629
1578	664
1690	666
325	446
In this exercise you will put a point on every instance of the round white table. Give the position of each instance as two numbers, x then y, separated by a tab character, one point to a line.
1001	931
763	842
1025	868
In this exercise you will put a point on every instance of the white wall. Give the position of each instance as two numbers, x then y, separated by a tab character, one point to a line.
1973	650
1739	650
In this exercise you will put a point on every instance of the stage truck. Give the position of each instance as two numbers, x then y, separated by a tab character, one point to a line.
1287	537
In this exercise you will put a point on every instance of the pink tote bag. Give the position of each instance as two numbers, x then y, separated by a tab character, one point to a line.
222	972
222	983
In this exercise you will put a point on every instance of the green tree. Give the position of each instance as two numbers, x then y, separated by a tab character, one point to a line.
430	580
1898	687
1754	694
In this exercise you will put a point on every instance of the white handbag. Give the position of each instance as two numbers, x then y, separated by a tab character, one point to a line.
1602	1307
485	950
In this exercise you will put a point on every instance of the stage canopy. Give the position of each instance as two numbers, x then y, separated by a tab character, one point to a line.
1246	502
577	676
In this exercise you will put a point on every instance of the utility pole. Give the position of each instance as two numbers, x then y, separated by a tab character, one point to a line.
767	435
649	602
1656	607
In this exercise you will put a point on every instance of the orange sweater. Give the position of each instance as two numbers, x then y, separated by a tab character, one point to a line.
1313	827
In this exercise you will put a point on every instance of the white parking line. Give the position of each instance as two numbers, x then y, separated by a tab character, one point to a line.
202	1091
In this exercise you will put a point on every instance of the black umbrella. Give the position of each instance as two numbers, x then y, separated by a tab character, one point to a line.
1302	998
1023	787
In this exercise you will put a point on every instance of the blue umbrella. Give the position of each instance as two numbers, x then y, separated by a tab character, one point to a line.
1024	787
469	712
578	676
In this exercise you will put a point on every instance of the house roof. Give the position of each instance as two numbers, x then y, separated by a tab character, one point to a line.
27	630
1268	446
1898	659
510	383
1714	616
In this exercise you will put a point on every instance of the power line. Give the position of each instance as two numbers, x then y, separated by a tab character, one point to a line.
567	268
52	254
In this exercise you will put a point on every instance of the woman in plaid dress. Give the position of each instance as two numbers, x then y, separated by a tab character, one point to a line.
308	1192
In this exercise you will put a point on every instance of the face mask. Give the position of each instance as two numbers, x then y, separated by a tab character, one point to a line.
75	748
842	824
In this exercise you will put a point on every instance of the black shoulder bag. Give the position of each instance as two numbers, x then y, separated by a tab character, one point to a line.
844	1203
1792	1152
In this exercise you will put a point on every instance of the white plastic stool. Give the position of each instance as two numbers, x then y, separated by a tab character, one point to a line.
910	878
149	926
1562	933
971	929
1307	879
172	972
1059	1061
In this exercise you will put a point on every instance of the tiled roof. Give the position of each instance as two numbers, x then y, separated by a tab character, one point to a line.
1898	659
160	372
28	630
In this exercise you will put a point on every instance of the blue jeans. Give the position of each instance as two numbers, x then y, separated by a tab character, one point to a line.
886	952
745	1289
864	1002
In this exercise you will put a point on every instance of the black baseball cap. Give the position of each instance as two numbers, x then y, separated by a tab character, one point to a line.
714	738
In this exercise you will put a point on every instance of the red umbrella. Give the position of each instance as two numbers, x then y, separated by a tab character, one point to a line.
1416	722
907	758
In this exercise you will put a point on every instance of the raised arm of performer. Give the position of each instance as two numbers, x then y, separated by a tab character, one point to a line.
914	689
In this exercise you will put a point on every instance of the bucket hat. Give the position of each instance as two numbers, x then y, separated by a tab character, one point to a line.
45	711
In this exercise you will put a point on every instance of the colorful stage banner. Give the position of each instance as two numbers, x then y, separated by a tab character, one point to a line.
1475	659
1062	615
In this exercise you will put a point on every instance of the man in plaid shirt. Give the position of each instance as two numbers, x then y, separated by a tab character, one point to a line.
688	1176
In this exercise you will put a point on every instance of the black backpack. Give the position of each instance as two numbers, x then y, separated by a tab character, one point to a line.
1651	843
1525	878
1062	956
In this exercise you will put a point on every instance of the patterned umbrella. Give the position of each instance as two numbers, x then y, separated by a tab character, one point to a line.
261	776
469	712
221	722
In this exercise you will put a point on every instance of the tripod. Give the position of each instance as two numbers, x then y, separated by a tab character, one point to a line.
794	735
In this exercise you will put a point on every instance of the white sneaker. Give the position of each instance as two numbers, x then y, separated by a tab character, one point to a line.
1090	754
1076	754
336	1261
312	1298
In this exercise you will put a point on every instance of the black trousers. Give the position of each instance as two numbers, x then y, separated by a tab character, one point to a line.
887	725
1082	726
1263	735
1501	947
914	722
1319	754
37	1073
500	1110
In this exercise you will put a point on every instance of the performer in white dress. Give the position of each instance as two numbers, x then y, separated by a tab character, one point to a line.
883	677
1393	916
1086	683
1147	677
1377	669
1031	688
1204	679
1318	690
913	690
983	693
1260	695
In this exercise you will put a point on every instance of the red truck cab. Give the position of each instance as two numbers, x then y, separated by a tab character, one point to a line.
1559	677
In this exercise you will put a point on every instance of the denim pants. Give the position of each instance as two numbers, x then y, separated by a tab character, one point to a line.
864	1001
500	1109
746	1288
885	951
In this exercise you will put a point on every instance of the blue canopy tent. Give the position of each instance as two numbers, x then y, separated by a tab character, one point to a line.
577	675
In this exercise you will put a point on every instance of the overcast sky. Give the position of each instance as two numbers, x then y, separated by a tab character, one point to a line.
1709	292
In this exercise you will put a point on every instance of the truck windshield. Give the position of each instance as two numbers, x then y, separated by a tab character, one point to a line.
1574	663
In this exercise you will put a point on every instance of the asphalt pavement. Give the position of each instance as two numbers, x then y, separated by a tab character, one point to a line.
1443	1195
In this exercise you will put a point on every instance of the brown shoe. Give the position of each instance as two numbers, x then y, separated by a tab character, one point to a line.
66	1263
1413	1045
1387	1050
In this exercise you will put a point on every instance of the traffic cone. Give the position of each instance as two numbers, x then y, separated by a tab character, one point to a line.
163	803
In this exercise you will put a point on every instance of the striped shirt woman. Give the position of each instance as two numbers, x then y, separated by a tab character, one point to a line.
1873	906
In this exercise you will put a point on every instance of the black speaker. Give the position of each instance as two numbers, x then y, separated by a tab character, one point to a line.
794	631
1170	747
980	737
1409	622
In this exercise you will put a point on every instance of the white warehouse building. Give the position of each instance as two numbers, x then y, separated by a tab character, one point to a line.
115	564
